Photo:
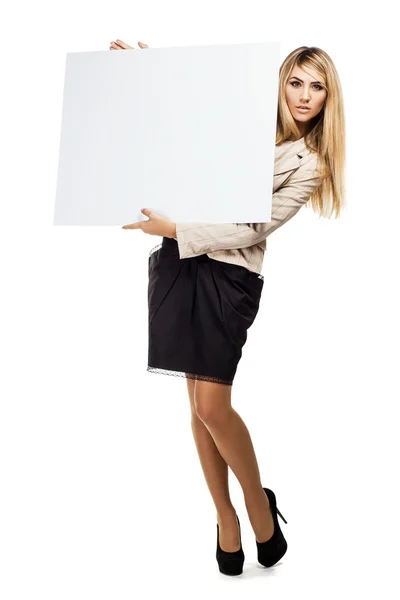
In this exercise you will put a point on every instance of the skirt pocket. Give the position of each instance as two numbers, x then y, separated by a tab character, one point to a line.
241	294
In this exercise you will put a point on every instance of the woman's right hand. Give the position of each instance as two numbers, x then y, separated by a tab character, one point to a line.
120	45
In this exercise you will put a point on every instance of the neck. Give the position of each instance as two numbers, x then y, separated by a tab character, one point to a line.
302	127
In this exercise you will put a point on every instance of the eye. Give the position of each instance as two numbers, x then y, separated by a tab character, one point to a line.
319	87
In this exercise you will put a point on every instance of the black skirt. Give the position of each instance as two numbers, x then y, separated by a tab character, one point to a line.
199	312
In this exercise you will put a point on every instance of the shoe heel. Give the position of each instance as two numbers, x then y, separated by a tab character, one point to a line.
281	515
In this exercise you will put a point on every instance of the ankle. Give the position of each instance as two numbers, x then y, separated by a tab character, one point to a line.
255	498
226	515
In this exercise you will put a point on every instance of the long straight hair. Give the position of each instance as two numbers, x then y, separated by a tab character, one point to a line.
326	133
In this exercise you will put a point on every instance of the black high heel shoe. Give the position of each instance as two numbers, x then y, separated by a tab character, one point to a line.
230	563
271	551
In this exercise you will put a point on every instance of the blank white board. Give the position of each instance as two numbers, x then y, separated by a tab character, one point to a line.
188	132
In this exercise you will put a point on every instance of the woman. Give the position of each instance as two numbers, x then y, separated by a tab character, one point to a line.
205	287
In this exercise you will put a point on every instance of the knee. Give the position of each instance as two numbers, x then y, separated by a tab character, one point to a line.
209	410
212	402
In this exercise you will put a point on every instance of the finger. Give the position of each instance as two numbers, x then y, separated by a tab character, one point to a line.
123	45
133	226
116	46
144	45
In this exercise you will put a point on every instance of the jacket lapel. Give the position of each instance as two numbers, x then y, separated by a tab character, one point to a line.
287	161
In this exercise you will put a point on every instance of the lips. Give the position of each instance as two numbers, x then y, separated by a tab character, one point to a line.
305	107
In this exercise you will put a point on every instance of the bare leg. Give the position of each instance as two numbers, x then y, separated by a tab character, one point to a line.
233	441
215	472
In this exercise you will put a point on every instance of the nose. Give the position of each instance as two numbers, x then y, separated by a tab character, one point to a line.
306	97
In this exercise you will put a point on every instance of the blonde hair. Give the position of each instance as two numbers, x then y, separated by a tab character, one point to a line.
326	135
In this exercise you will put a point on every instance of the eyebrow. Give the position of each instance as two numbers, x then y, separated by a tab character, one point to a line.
294	77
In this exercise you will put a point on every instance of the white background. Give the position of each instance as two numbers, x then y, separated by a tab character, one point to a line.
102	491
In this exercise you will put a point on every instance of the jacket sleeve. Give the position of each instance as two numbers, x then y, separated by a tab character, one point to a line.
200	238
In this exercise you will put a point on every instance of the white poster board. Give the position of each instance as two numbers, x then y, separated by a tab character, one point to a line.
188	132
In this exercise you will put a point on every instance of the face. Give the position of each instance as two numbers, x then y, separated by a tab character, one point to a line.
308	89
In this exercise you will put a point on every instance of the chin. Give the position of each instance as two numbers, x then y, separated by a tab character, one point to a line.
305	119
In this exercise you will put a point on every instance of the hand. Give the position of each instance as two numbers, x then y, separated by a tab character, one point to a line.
120	45
156	224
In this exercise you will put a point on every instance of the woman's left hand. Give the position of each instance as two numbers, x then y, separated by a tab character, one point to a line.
156	225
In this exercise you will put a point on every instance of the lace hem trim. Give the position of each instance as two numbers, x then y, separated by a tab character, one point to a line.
188	375
155	249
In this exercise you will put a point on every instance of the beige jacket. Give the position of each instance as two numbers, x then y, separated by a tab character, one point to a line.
245	243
